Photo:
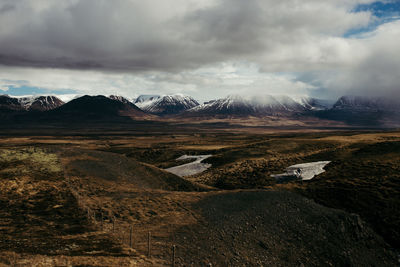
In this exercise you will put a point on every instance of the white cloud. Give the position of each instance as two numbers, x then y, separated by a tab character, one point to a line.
213	81
372	69
173	35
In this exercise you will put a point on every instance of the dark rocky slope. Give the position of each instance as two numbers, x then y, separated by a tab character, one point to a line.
272	228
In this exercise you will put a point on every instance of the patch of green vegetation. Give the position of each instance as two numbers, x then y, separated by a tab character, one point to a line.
30	161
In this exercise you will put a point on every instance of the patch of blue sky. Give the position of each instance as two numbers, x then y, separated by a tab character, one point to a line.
32	90
383	12
381	9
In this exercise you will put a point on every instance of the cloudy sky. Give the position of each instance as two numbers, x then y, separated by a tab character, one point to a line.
204	48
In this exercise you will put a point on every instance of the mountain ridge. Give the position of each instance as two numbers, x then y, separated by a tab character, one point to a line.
30	103
167	104
353	110
264	105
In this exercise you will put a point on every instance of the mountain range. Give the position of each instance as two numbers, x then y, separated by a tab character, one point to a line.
354	110
265	105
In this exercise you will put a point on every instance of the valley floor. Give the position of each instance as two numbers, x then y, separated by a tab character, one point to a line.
103	199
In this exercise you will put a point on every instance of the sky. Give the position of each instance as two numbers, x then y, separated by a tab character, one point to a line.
207	49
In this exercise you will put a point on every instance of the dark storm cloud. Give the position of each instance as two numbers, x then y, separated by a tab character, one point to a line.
114	35
130	35
6	8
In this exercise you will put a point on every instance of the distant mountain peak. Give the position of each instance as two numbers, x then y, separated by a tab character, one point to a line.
119	98
8	103
40	103
146	98
30	103
166	104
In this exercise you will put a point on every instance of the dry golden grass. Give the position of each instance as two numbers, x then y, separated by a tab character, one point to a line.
241	160
367	137
26	260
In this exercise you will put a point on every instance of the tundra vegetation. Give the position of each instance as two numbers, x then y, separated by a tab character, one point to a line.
103	197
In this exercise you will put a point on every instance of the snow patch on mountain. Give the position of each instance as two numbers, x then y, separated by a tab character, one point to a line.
259	105
167	104
314	104
144	100
40	103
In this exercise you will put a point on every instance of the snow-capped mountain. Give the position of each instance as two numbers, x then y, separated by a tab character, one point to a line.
278	104
8	103
167	104
353	110
40	103
31	103
231	105
260	105
145	98
315	104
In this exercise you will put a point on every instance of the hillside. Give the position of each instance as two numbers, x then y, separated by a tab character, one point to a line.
96	108
110	167
268	228
76	206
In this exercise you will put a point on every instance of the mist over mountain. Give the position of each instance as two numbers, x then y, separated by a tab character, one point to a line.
366	103
363	110
259	105
146	98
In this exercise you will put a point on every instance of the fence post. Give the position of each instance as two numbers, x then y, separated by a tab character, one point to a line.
113	226
101	220
149	244
173	255
130	236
